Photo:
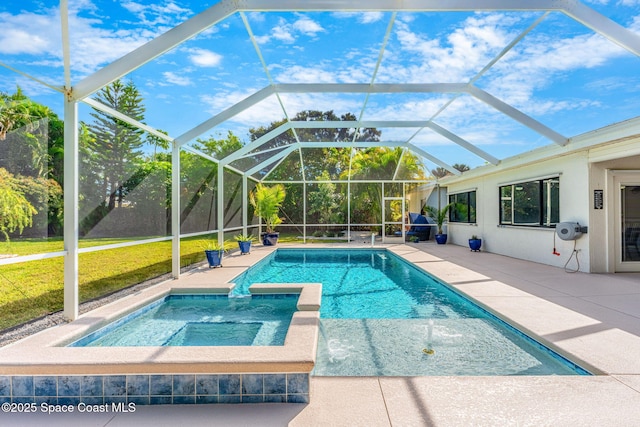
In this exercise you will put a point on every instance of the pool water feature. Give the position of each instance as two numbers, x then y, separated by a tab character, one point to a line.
381	315
201	320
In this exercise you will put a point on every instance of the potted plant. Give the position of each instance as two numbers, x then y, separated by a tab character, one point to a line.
439	215
214	252
266	202
244	243
475	243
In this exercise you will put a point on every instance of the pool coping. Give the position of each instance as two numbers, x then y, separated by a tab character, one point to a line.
45	353
483	288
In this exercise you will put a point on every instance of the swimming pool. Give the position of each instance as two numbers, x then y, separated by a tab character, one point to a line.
200	320
382	316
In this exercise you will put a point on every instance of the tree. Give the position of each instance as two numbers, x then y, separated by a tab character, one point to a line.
267	201
158	142
324	201
440	172
439	215
219	148
331	159
14	112
16	212
199	178
115	146
32	149
334	160
379	163
461	167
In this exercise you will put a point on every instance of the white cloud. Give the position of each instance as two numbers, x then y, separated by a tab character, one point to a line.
37	37
269	109
30	33
175	79
300	74
361	17
540	62
205	58
256	16
287	32
262	113
283	33
165	13
307	26
402	107
454	58
295	103
370	17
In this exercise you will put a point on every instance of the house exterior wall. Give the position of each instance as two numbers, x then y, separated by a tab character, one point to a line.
584	165
529	243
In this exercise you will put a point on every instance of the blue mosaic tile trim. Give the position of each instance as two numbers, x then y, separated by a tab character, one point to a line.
179	389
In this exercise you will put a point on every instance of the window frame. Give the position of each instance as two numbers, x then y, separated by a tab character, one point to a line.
472	211
548	208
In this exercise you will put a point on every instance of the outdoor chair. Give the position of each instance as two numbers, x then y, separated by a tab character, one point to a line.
422	232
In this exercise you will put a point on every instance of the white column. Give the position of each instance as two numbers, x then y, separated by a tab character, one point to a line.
175	211
220	199
71	228
245	202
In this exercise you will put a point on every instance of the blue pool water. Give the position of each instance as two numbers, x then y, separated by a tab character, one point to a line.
380	315
201	320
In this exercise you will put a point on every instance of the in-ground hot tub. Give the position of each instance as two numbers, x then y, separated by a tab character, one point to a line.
43	368
200	320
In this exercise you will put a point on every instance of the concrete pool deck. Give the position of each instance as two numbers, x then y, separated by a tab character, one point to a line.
594	317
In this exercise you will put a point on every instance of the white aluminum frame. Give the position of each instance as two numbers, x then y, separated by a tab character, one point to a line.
73	94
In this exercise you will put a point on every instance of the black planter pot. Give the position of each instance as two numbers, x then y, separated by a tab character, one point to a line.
214	258
270	239
475	244
441	239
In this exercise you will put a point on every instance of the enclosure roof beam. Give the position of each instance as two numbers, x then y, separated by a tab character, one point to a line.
257	143
370	88
120	116
278	164
517	115
210	158
268	150
404	5
225	115
154	48
463	143
66	45
419	151
281	155
338	124
602	25
349	144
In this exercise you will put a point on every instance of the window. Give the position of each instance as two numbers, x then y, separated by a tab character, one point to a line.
463	207
532	203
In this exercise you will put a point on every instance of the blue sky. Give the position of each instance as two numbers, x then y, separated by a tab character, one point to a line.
561	73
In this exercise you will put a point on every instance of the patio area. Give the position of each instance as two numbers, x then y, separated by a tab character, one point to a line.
593	317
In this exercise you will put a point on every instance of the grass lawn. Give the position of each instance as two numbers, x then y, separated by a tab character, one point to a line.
34	289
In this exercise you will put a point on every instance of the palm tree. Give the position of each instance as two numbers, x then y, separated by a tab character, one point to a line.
438	215
461	167
267	201
440	172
